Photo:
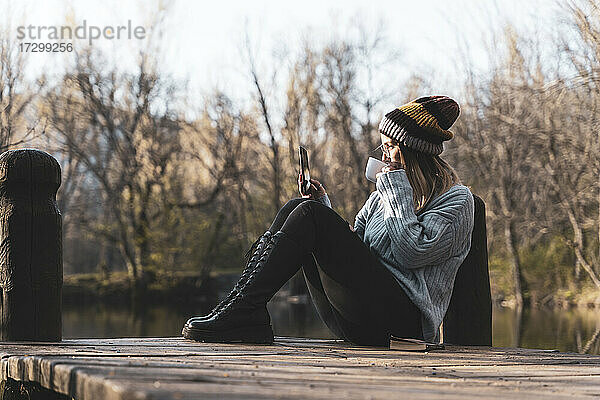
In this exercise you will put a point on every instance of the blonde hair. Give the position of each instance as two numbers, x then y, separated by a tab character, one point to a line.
429	175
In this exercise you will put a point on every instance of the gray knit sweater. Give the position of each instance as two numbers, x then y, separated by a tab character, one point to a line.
423	251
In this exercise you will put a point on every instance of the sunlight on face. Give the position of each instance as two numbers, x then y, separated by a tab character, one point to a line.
390	149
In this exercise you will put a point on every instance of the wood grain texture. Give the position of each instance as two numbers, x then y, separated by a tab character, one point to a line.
20	390
468	320
30	246
294	368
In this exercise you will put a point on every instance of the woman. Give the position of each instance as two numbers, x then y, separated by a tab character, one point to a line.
392	273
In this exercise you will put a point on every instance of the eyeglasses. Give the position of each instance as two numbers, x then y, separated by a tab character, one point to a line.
386	148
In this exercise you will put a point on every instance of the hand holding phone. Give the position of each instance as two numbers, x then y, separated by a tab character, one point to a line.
309	188
315	190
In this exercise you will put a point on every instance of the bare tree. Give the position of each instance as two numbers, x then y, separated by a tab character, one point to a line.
496	144
531	134
304	115
220	150
16	96
122	130
264	110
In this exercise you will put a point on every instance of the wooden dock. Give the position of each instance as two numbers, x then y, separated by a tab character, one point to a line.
295	368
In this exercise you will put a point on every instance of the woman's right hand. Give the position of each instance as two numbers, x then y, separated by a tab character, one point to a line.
315	191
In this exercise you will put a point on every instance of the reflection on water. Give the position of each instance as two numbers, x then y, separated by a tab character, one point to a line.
297	318
566	330
576	330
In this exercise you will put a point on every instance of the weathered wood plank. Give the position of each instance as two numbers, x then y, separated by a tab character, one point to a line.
174	368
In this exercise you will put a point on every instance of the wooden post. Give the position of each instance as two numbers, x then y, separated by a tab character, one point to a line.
468	320
30	247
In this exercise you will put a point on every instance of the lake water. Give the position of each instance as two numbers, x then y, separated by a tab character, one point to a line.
576	330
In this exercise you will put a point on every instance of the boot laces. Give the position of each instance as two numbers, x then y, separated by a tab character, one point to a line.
261	239
240	293
255	249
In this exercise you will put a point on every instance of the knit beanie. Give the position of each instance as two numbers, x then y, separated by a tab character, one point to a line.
422	124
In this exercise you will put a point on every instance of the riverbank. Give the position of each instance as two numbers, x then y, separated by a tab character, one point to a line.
562	299
185	287
181	287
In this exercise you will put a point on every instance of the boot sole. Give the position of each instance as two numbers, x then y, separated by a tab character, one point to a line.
200	320
261	334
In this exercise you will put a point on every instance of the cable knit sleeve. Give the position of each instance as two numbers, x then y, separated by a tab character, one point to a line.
361	218
417	241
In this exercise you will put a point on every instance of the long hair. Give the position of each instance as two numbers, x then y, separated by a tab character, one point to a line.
429	175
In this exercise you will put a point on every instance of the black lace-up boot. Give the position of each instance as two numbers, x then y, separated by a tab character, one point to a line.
244	318
254	252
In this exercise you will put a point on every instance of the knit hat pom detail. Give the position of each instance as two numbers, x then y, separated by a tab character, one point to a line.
443	108
422	124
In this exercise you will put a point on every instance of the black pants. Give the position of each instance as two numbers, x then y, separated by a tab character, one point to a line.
355	295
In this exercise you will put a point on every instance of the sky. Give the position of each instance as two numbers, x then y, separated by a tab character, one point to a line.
202	41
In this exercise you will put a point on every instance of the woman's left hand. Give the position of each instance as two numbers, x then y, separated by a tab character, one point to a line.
393	165
315	191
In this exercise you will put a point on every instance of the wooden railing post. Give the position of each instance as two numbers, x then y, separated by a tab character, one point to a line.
468	320
31	269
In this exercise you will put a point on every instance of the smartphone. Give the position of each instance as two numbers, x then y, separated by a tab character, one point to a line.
304	170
